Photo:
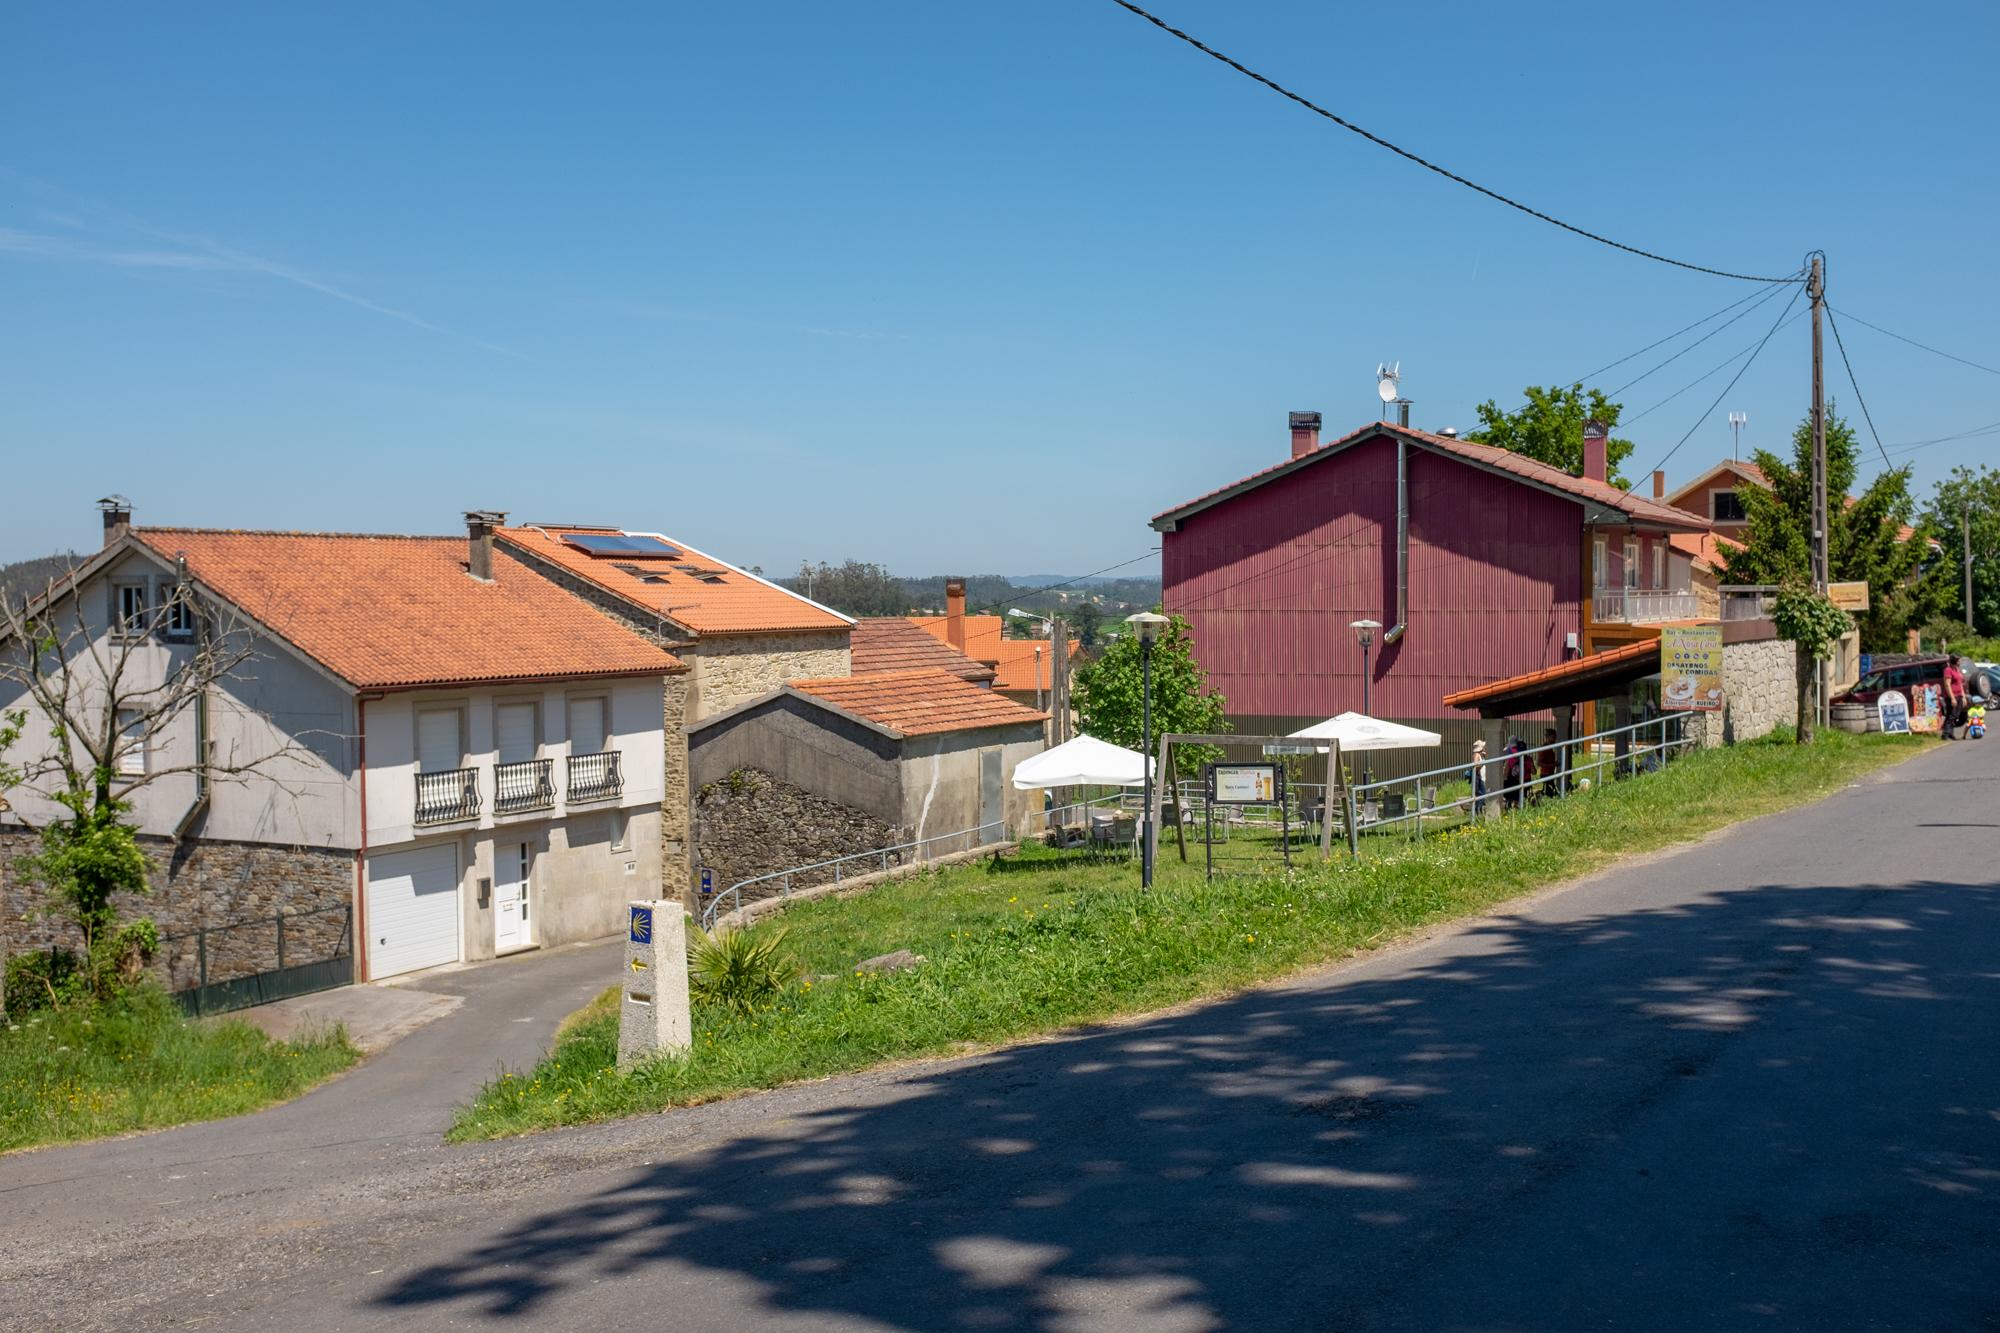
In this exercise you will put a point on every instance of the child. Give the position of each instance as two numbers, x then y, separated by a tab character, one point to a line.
1975	721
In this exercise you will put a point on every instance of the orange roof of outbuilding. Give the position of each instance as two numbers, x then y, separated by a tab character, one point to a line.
1577	670
922	702
698	591
386	612
895	643
1014	661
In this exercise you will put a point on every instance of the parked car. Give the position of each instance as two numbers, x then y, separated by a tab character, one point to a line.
1902	677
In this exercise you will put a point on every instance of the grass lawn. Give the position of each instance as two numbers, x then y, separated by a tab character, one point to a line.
1043	940
137	1064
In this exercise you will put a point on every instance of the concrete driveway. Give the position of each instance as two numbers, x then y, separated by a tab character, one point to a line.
1754	1084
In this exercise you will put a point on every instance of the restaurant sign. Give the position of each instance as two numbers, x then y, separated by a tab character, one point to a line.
1691	667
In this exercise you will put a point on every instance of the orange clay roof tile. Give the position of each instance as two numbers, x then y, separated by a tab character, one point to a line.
894	643
922	702
1014	661
703	593
403	613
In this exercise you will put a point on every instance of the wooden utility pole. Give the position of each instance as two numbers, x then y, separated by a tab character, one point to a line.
1822	573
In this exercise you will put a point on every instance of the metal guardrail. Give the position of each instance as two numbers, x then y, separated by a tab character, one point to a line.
1637	748
903	853
328	961
595	777
526	785
447	796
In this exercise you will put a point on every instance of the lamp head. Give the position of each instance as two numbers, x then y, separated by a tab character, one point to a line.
1148	624
1364	631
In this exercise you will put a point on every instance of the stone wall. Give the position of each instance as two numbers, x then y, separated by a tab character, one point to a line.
749	823
731	669
235	889
1759	690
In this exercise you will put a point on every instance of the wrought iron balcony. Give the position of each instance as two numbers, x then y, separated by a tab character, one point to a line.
595	777
1640	606
448	796
527	785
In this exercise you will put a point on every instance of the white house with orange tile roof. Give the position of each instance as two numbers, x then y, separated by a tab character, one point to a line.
456	755
740	634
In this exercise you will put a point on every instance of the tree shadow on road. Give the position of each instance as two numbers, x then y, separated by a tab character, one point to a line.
1772	1108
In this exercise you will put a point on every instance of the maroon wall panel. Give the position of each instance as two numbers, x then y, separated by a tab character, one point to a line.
1270	580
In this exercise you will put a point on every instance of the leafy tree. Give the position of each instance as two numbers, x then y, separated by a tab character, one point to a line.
1813	624
1550	428
853	587
1968	496
1107	694
1085	620
1863	534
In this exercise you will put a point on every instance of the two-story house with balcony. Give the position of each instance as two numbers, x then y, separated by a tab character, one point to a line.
468	759
1474	562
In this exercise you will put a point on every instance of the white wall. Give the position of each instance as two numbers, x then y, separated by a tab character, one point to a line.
391	740
275	712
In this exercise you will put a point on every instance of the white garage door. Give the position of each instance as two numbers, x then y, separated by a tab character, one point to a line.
412	910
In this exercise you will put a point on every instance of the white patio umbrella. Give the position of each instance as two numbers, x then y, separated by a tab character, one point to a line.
1358	731
1083	762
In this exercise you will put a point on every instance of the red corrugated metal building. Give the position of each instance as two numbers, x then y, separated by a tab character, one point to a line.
1271	570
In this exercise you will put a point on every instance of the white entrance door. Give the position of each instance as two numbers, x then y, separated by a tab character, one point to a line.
511	928
412	910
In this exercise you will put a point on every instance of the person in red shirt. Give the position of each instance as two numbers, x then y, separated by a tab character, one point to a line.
1546	761
1954	697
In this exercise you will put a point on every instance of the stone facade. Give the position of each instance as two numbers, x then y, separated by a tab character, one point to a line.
730	669
749	823
1759	689
233	889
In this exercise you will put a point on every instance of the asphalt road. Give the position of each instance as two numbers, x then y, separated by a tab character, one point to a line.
1753	1084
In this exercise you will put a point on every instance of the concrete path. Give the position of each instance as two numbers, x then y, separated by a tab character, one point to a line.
374	1017
1754	1084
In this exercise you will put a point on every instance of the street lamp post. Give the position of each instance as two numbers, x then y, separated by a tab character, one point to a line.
1147	624
1364	634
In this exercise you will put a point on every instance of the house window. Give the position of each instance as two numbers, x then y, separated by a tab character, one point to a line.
129	607
1598	574
621	831
180	614
589	731
1631	562
1726	507
440	741
1659	564
130	759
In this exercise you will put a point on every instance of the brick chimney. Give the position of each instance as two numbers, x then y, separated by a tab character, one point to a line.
1305	433
954	613
1659	485
117	511
479	525
1595	442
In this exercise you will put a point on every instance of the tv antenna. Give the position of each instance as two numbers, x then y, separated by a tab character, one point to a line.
1737	421
1388	375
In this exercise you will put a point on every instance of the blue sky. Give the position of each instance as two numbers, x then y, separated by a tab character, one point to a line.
947	286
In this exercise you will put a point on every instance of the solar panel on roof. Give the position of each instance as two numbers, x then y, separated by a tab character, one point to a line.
605	545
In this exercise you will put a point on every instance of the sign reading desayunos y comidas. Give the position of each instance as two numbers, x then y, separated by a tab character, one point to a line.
1691	667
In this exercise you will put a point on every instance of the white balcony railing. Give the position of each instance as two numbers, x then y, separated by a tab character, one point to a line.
595	777
1641	606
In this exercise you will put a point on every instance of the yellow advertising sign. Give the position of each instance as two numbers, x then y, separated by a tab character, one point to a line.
1691	667
1849	596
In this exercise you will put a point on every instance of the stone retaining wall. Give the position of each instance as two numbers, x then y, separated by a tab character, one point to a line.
234	889
1760	691
749	823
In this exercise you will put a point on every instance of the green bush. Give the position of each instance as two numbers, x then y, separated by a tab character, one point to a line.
38	980
737	971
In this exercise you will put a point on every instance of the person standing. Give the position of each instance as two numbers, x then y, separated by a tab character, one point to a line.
1478	775
1546	760
1954	696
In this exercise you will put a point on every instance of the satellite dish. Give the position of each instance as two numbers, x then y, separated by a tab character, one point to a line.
1386	375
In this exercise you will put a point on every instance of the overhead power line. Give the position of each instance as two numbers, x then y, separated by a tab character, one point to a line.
1914	343
1866	415
1710	409
1425	163
1717	369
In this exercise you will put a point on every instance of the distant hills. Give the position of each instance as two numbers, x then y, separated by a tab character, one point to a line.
25	577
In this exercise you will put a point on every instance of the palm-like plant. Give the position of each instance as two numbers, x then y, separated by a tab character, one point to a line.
737	971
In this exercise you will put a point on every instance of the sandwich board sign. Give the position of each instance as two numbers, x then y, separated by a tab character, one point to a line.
1894	712
1691	668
